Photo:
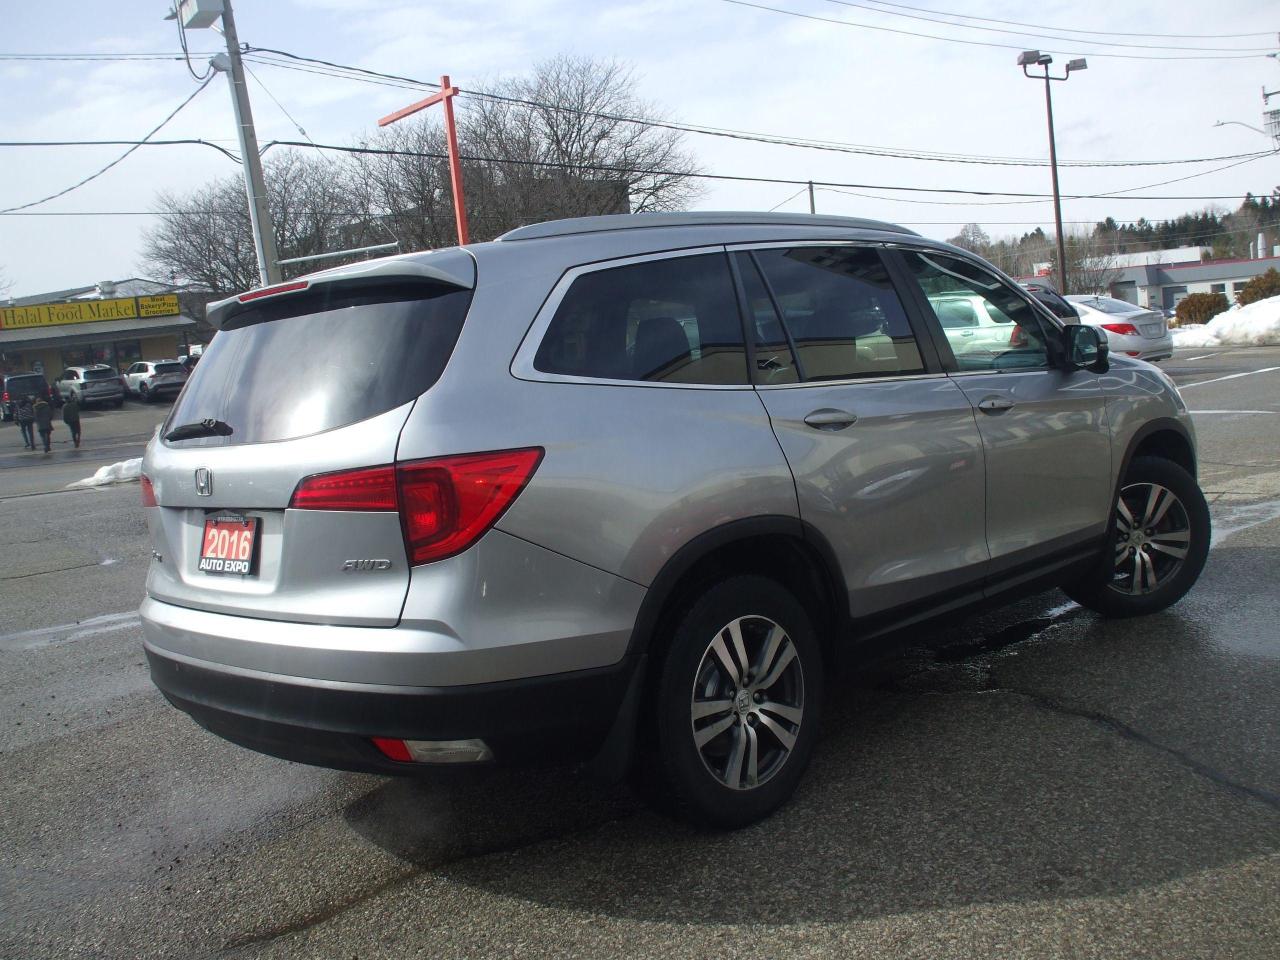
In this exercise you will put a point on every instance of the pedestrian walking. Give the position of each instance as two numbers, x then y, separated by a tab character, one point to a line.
71	417
26	417
44	420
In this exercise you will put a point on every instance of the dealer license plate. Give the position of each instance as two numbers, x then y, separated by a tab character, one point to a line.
229	545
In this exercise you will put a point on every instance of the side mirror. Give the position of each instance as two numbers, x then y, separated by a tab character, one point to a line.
1086	348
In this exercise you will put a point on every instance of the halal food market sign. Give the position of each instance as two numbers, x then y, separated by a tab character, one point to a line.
87	311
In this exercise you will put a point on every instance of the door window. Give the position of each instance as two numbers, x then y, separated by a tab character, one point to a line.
775	361
842	312
989	325
673	320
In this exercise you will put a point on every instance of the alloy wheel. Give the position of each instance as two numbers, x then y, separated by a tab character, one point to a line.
747	702
1153	536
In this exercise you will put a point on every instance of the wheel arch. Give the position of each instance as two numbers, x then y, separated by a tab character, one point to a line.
1166	438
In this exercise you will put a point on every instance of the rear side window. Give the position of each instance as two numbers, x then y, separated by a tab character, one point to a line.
100	374
673	320
842	312
299	365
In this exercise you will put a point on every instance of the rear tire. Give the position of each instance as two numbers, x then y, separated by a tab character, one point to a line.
1157	544
736	704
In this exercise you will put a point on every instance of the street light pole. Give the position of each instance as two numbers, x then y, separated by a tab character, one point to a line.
1025	60
264	237
199	14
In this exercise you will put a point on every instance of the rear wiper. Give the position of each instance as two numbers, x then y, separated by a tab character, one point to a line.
201	428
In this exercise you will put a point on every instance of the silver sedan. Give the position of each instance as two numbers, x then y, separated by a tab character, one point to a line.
1131	329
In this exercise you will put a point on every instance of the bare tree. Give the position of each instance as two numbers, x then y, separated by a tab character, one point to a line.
1090	266
205	239
550	145
973	238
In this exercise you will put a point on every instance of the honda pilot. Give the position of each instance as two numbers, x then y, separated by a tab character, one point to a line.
634	489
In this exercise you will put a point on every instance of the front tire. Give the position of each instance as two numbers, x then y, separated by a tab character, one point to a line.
737	702
1157	544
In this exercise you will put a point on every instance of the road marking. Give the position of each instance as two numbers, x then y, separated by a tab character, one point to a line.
1232	411
1234	376
44	636
1203	356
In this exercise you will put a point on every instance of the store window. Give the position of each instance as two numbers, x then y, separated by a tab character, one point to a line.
128	352
88	355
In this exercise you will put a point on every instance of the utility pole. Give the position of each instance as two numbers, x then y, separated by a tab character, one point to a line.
812	208
202	13
1026	59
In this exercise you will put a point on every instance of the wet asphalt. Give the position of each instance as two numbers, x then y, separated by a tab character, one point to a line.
1036	782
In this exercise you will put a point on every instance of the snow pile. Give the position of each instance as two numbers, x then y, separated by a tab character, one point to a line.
1254	325
121	472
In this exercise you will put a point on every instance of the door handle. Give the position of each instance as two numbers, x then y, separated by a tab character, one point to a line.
829	418
995	405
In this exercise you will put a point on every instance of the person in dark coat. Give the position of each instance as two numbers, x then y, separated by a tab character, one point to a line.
44	420
71	417
26	416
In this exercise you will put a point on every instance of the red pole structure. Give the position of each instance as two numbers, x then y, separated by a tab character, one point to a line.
445	96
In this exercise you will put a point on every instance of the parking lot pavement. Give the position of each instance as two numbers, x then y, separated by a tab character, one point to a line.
1037	782
107	435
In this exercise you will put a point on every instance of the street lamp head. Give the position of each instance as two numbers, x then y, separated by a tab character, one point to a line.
1080	63
1027	57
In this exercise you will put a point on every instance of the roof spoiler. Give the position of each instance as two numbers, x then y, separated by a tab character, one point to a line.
453	267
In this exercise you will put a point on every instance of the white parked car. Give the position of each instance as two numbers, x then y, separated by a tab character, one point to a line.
1132	330
150	379
973	324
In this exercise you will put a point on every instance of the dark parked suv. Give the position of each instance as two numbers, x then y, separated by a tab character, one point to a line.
15	386
634	488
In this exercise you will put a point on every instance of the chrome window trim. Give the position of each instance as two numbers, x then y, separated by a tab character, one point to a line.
522	367
850	381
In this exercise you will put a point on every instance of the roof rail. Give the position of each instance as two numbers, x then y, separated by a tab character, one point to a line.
634	221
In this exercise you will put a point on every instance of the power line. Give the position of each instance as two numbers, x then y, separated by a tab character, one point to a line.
372	76
1100	33
120	143
72	57
983	43
93	176
1024	33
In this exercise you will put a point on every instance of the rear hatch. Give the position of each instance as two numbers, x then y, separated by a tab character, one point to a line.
317	378
100	382
169	376
28	384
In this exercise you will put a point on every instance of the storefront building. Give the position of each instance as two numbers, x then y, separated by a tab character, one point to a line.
112	323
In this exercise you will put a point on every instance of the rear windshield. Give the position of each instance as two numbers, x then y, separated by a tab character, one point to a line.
1108	305
29	382
170	368
300	365
103	374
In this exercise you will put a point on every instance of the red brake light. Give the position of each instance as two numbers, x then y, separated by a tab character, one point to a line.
272	291
373	488
1018	338
1124	329
446	504
394	749
148	491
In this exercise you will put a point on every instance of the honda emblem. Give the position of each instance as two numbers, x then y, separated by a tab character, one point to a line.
204	481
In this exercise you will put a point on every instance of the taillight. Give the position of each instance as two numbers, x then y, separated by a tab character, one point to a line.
6	397
1124	329
1018	338
148	491
446	504
373	488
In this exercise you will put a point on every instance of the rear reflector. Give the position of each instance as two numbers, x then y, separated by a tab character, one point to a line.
272	291
445	504
148	491
434	751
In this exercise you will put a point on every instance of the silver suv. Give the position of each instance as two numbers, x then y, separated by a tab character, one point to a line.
633	488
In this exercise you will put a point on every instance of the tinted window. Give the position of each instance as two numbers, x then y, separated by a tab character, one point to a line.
1108	305
842	312
22	385
669	321
298	365
1014	339
1056	304
170	368
100	374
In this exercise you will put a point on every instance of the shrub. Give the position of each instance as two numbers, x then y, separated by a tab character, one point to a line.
1201	307
1260	287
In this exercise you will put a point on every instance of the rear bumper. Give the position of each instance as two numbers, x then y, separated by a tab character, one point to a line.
561	717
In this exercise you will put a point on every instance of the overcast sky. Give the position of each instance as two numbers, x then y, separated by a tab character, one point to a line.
702	61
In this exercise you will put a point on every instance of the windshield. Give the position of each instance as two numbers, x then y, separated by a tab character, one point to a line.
300	365
102	373
170	368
